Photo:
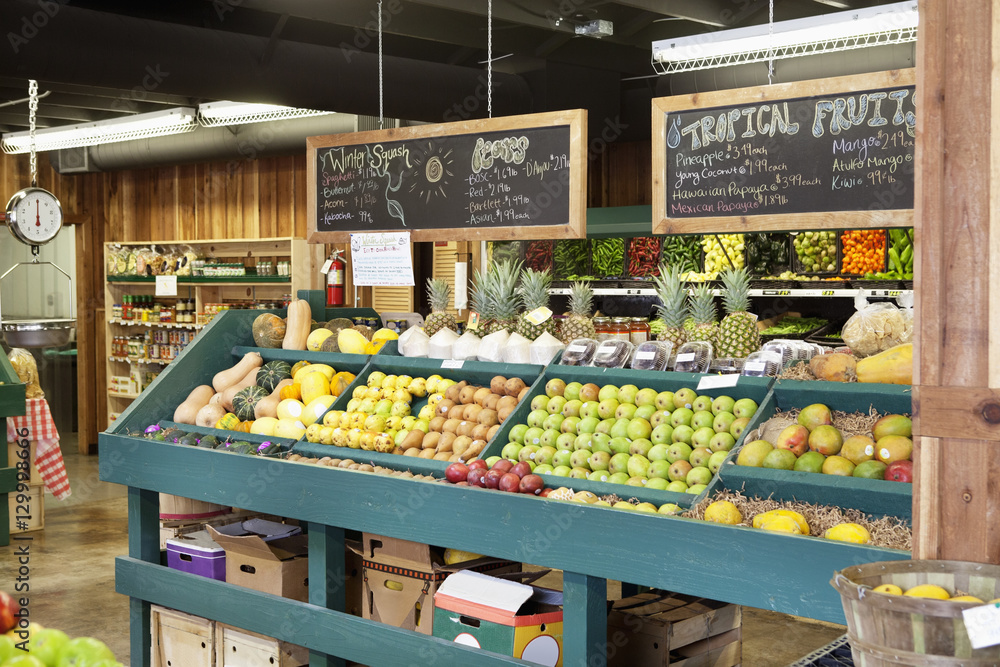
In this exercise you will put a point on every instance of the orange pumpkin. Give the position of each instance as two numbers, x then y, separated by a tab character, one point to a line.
244	427
293	390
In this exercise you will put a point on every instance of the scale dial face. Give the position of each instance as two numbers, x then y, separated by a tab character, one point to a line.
34	216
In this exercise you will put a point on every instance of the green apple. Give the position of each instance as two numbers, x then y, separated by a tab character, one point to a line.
569	425
702	436
646	396
25	660
658	452
607	408
543	469
698	475
702	419
580	459
562	458
84	650
638	466
678	486
536	418
665	401
658	483
659	469
553	422
679	417
619	445
608	391
627	393
598	476
684	398
619	463
510	451
589	409
516	433
600	461
47	644
716	460
587	425
745	407
539	402
545	455
583	441
555	405
619	429
682	433
579	473
662	434
723	404
618	478
625	411
699	456
721	442
601	442
572	391
8	649
565	441
638	428
572	408
640	447
561	471
644	412
702	403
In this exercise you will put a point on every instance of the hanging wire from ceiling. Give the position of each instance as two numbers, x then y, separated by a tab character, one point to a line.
32	110
770	41
489	57
380	114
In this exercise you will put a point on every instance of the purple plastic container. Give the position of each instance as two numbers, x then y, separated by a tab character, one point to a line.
197	553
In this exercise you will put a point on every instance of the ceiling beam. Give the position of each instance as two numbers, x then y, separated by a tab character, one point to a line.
715	13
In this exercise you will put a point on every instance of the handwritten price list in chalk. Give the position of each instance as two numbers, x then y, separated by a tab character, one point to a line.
843	152
518	177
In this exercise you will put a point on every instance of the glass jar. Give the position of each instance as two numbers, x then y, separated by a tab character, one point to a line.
619	329
638	330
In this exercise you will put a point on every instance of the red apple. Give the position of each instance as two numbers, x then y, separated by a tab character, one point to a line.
503	465
477	477
531	484
8	612
544	493
478	463
493	478
510	482
899	471
521	469
456	472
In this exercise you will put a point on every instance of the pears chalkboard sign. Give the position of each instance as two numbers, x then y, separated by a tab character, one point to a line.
488	179
816	154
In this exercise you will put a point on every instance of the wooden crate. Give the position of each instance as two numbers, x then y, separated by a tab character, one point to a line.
35	510
241	648
660	629
12	459
187	509
180	640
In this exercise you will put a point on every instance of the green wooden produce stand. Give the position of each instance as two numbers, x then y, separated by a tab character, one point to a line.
11	405
589	544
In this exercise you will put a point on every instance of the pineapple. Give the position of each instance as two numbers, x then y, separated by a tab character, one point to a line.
578	324
702	305
479	300
501	297
738	335
673	310
534	293
439	295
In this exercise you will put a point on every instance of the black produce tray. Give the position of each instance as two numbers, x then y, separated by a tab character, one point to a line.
835	654
821	336
774	284
801	336
876	284
908	284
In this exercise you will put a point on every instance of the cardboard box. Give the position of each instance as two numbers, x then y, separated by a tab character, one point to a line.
13	459
400	579
28	516
508	617
279	567
235	647
660	629
177	639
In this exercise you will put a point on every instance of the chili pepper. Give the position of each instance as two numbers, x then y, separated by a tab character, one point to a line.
644	256
609	257
571	257
538	255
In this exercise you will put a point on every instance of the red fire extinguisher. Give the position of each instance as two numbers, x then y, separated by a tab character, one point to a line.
335	280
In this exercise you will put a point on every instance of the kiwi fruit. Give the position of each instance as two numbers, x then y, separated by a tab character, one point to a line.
498	385
366	467
345	463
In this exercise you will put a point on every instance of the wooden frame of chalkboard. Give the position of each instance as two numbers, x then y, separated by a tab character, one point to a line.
833	153
496	179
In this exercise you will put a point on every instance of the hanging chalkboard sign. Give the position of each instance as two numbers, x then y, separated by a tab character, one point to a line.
502	178
832	153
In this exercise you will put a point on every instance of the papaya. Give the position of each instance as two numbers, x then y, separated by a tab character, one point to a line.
893	366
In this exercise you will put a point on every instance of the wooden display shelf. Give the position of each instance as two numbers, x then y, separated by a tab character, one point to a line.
129	360
205	280
161	325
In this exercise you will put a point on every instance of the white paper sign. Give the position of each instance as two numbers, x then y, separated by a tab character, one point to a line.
382	260
687	356
645	355
717	381
452	364
166	285
983	625
754	366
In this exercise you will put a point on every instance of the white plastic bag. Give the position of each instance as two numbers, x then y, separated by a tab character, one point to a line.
876	327
544	348
491	345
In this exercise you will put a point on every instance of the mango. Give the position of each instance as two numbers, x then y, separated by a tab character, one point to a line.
781	524
815	415
893	448
892	425
932	591
800	521
848	532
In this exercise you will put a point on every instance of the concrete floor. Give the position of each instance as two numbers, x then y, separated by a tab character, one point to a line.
72	575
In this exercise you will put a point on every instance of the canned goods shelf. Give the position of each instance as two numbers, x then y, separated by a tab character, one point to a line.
130	360
165	325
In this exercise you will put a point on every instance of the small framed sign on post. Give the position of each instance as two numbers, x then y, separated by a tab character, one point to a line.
824	154
493	179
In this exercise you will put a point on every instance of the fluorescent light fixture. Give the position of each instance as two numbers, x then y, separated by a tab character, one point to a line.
213	114
840	31
138	126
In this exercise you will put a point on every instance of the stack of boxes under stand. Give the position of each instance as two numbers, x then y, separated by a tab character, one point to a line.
30	514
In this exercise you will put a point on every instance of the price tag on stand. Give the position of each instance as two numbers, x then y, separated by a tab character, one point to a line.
717	381
452	364
166	285
983	625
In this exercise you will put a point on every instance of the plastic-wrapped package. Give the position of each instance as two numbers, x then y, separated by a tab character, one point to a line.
613	353
790	350
414	342
652	355
763	363
876	327
516	350
490	346
466	347
579	352
693	357
441	344
27	371
543	348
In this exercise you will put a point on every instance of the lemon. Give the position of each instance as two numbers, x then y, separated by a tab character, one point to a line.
848	532
932	591
966	598
795	516
889	589
781	524
723	511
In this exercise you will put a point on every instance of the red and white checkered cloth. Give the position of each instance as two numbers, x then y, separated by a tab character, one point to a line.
48	455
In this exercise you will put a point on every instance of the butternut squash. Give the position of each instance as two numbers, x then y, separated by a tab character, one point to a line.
187	412
209	415
268	407
228	394
227	378
893	366
297	325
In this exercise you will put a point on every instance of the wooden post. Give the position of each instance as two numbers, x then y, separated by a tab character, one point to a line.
956	403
